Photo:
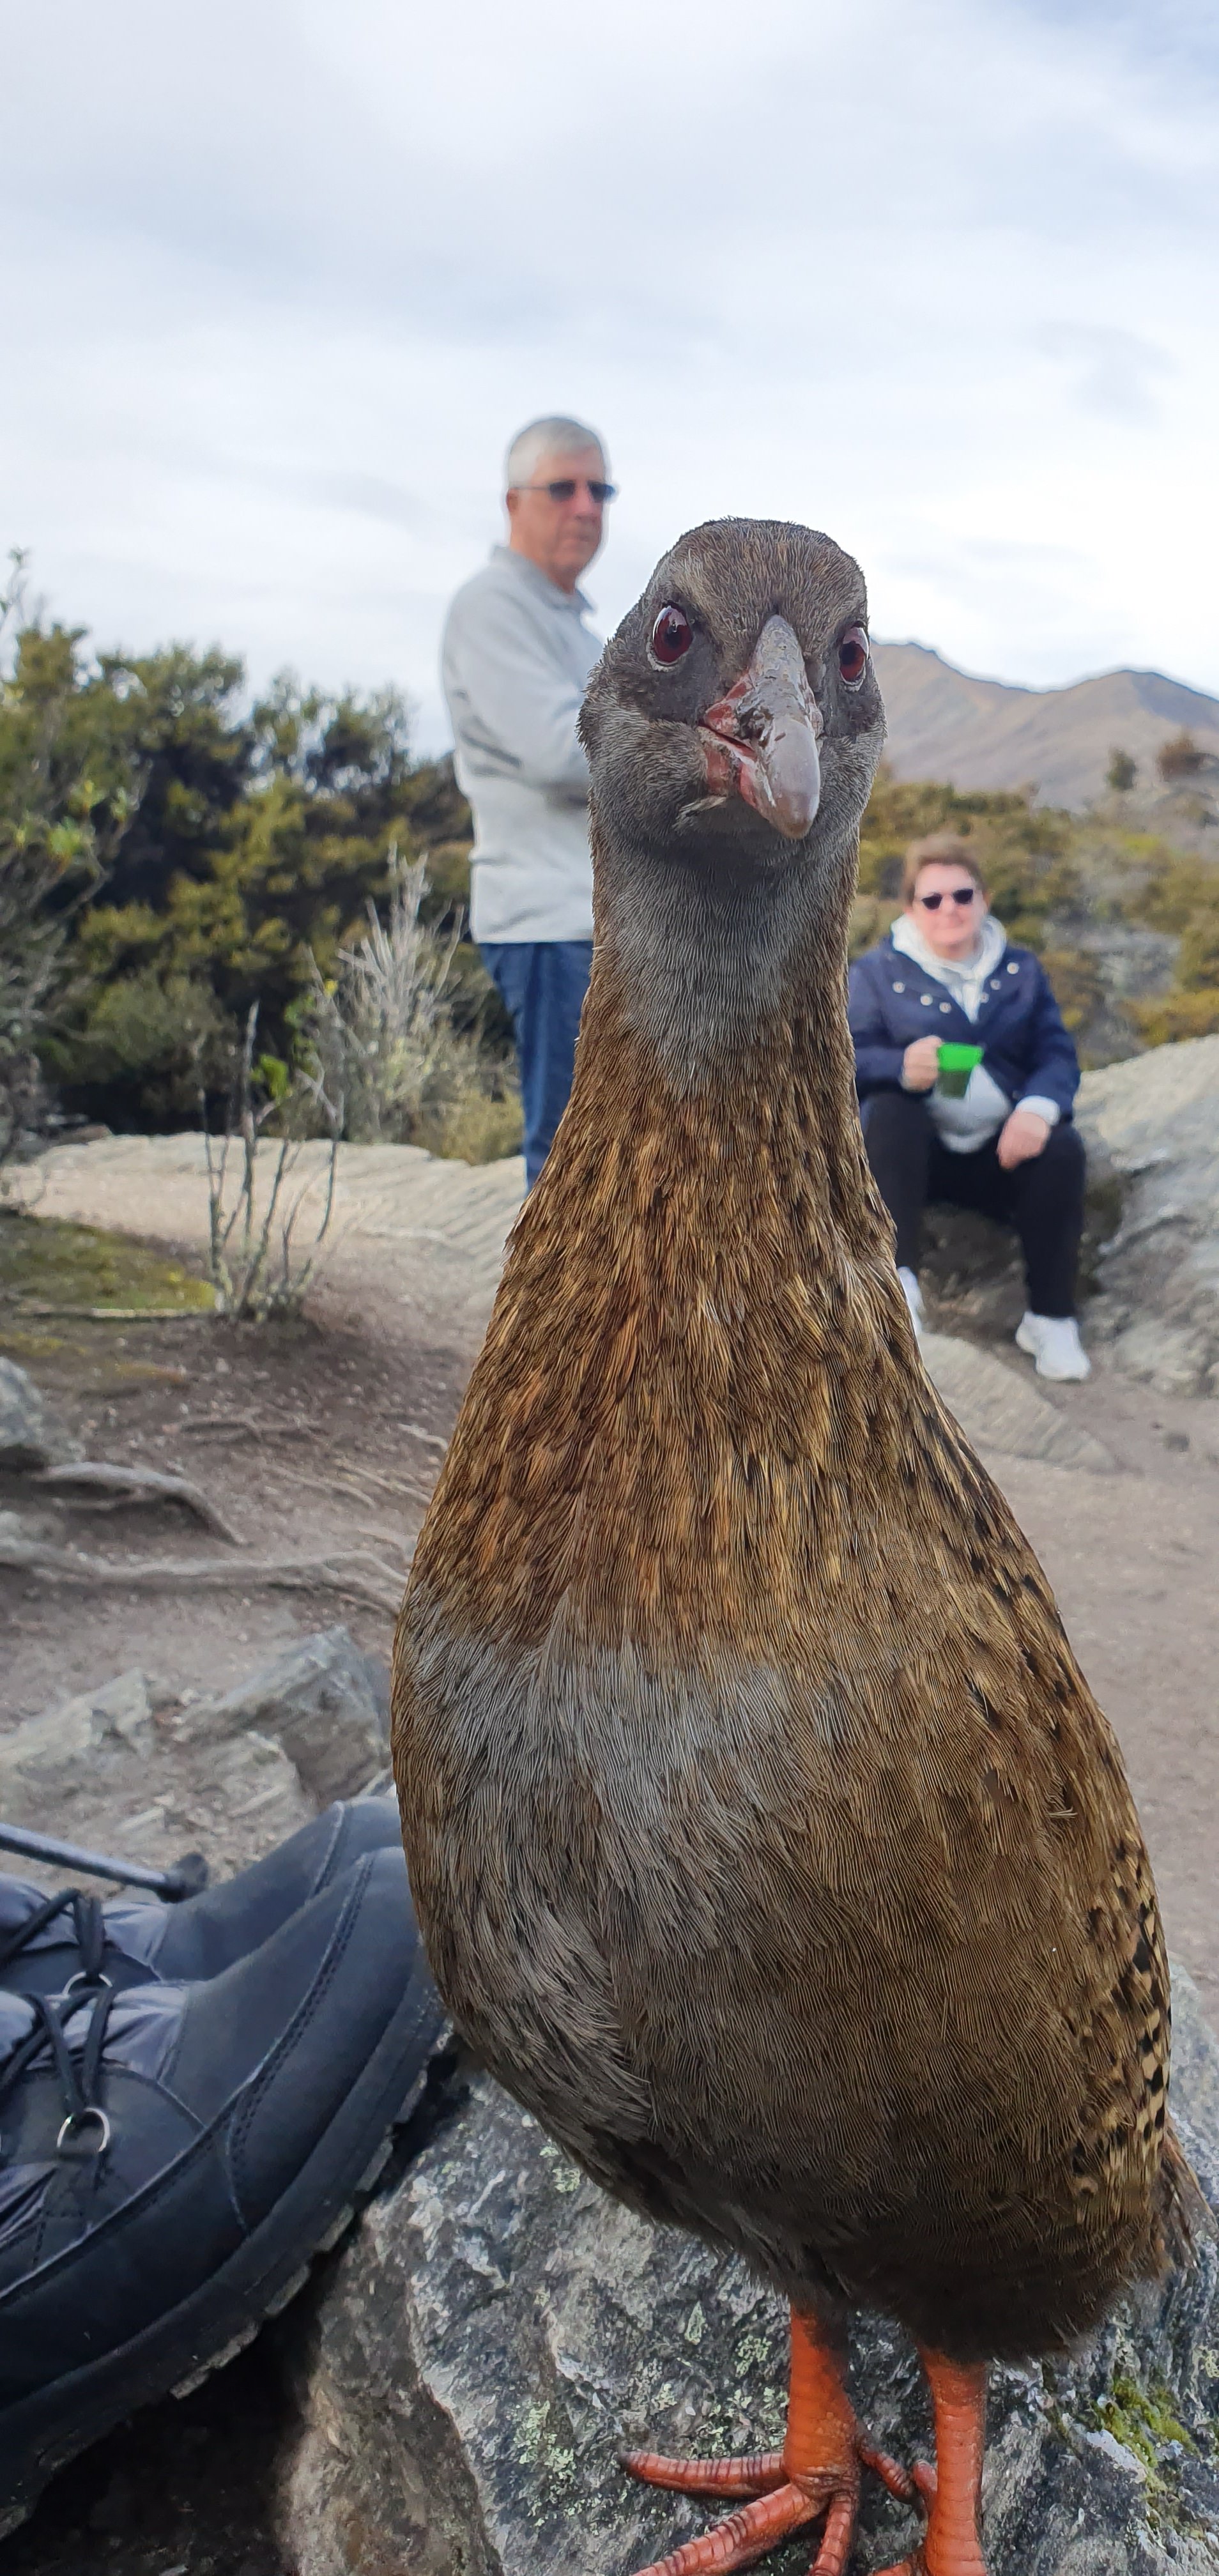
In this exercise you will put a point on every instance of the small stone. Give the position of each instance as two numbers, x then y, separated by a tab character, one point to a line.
77	1739
31	1432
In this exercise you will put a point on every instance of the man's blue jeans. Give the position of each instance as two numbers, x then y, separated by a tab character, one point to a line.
542	983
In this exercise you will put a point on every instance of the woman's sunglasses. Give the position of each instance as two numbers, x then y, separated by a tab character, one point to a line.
956	894
568	486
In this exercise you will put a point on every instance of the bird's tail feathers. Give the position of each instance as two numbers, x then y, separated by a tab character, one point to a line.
1183	2214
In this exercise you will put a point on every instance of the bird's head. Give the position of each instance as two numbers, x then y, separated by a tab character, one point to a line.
734	722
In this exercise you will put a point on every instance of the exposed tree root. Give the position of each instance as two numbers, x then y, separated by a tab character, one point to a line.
128	1484
354	1572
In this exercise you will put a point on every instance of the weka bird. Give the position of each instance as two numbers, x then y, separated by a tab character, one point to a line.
767	1841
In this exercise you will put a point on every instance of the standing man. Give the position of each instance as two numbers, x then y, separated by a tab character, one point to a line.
517	654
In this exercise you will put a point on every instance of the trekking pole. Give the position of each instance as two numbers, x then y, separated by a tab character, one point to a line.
183	1878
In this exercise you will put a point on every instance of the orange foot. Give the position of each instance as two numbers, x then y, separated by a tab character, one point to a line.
818	2473
952	2490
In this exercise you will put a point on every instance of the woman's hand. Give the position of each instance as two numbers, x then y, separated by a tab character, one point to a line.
921	1064
1022	1137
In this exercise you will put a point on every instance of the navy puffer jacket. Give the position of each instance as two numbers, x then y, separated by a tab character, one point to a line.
1027	1049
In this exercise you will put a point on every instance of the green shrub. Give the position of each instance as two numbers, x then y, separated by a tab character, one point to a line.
174	855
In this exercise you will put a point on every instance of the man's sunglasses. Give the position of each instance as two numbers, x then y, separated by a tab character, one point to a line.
956	894
568	486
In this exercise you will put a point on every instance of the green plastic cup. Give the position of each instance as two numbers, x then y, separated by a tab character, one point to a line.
956	1065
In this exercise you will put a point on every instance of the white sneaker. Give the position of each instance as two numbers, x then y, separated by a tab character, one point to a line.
914	1299
1053	1341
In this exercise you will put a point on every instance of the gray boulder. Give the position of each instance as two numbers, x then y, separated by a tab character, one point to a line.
31	1432
496	2328
1154	1123
323	1701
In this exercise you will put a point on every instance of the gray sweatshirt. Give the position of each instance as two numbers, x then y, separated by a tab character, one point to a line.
516	656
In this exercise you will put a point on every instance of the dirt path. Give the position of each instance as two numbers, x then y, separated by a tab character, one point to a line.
343	1419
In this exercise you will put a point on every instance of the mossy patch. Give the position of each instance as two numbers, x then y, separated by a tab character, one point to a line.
1143	2420
67	1269
28	1346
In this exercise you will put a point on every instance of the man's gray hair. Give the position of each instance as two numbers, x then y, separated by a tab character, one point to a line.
553	437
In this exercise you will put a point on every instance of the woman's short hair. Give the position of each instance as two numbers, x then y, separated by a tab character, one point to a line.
942	850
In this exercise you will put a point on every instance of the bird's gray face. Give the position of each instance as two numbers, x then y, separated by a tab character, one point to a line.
735	715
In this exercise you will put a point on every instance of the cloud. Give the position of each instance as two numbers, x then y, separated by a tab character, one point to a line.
1112	368
292	272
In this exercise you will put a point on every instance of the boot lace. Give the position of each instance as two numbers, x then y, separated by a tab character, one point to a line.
85	2129
89	1924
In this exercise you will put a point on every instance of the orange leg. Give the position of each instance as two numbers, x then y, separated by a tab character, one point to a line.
817	2472
953	2491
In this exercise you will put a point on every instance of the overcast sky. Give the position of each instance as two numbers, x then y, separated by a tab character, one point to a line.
281	276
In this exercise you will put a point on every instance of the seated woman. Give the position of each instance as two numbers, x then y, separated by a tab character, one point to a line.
1006	1146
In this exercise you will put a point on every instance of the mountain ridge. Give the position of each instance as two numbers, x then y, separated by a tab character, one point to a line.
947	724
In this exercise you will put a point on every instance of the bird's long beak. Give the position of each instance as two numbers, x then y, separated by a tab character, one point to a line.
761	737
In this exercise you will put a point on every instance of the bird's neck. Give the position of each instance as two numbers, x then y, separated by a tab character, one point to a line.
710	1166
714	1127
717	1011
699	1331
710	970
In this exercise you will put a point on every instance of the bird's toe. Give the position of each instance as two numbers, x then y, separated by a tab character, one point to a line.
905	2484
758	2527
757	2475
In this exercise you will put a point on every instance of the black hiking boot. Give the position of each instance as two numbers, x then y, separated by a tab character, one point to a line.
171	2158
47	1943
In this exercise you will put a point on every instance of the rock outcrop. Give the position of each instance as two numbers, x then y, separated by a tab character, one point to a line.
999	1406
495	2329
103	1771
1150	1264
324	1702
130	1769
1154	1123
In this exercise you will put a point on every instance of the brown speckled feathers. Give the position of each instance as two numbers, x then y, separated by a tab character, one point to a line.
766	1838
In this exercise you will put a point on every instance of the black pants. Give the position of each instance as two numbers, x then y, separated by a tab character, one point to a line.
1043	1199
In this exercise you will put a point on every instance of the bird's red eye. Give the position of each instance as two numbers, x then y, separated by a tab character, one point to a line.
853	656
672	635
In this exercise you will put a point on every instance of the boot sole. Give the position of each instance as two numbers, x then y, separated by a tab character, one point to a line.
40	2434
